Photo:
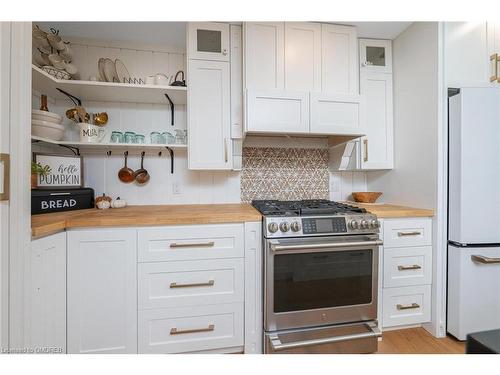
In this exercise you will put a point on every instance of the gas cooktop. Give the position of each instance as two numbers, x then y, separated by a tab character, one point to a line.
304	207
317	217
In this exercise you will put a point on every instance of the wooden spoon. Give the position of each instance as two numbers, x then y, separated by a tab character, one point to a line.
126	174
141	175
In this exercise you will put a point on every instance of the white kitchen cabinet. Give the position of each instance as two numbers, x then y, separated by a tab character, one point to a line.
466	56
406	305
47	296
208	41
339	59
375	56
302	56
493	36
264	46
277	111
209	115
102	291
338	114
378	143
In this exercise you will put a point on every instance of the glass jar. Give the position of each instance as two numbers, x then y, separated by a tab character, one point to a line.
116	137
156	138
180	136
139	138
168	137
129	137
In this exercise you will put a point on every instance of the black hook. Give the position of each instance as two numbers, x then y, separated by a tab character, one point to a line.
171	159
143	154
108	153
171	109
125	153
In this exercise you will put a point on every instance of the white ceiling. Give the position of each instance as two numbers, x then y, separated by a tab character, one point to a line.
173	34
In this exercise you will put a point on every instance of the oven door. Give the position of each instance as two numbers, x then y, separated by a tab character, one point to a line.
320	281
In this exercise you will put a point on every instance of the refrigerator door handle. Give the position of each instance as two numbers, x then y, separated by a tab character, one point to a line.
484	260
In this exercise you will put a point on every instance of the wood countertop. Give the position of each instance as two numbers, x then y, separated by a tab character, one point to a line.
45	224
390	211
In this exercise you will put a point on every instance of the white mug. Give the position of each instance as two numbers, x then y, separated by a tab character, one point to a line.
150	80
91	133
161	79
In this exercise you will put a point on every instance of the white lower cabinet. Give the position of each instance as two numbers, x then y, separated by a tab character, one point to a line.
406	305
102	291
406	279
188	329
46	313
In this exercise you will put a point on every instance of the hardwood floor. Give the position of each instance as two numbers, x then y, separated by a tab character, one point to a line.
418	341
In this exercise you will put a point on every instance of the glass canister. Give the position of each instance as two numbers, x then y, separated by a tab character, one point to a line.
139	138
180	136
129	137
116	137
156	138
168	137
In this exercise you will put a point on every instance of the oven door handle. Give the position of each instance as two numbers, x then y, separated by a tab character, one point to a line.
326	245
277	345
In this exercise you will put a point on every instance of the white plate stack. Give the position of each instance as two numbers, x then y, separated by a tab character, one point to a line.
47	125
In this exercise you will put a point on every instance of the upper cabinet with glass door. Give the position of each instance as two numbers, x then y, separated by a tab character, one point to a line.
375	55
208	41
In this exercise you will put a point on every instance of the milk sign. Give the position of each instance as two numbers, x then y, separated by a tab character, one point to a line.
66	171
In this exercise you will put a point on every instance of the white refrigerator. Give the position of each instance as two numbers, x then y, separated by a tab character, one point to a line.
474	212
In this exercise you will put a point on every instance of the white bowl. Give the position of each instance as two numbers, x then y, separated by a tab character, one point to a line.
47	129
46	116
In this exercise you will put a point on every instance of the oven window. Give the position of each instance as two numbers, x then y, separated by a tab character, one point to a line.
322	280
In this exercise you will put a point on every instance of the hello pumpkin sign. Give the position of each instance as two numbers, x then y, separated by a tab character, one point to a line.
66	171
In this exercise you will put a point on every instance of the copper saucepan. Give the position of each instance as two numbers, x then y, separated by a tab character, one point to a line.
126	174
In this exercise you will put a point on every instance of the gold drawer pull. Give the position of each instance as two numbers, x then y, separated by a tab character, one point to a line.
485	260
5	159
494	67
365	142
194	285
407	307
407	268
405	234
175	331
198	244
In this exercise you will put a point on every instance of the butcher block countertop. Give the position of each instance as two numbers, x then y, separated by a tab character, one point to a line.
390	211
134	216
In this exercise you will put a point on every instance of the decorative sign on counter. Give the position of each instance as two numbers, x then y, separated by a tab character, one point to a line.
66	171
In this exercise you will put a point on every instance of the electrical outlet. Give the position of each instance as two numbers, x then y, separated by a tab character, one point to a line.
176	188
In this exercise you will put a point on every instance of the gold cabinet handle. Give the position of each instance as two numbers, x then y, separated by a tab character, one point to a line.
407	268
406	234
5	194
497	68
407	307
196	244
365	143
193	285
494	68
175	331
485	260
225	150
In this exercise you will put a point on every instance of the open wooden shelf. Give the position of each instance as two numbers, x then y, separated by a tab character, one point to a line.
44	83
109	146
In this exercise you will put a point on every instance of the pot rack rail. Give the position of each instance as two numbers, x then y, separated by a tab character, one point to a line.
79	148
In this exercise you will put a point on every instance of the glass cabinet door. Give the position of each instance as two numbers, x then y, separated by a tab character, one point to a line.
375	55
208	41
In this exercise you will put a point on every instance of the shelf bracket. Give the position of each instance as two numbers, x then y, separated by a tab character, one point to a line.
171	159
171	109
74	99
74	150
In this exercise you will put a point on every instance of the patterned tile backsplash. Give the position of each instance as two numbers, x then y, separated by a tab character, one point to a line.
284	173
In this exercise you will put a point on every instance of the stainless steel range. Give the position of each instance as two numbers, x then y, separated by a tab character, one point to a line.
320	277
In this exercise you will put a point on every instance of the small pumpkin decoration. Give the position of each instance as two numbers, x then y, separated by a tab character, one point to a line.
118	203
103	204
102	198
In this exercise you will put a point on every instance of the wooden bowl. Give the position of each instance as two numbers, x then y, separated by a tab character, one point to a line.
366	196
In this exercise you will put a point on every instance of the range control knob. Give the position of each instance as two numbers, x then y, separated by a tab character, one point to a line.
284	226
374	223
295	226
272	227
364	224
353	224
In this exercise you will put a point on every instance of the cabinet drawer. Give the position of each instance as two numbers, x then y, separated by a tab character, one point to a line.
406	305
408	232
190	283
337	114
277	111
188	329
191	242
407	266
